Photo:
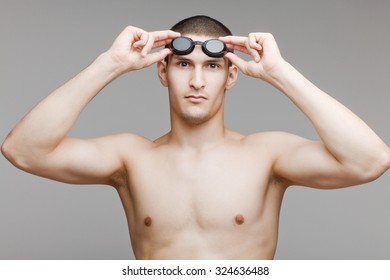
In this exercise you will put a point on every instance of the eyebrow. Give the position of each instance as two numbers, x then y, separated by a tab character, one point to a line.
180	57
211	60
216	60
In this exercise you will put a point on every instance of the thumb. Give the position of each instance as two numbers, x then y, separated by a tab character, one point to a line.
238	61
157	56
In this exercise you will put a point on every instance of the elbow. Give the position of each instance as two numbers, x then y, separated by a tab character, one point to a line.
10	152
377	166
386	160
5	150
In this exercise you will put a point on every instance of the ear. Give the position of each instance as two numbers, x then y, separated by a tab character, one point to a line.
162	72
232	77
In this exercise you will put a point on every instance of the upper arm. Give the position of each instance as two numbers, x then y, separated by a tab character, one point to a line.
309	163
84	161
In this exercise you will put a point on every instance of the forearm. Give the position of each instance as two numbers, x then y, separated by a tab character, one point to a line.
344	134
42	129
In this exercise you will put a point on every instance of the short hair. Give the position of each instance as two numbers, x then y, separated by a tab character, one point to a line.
202	25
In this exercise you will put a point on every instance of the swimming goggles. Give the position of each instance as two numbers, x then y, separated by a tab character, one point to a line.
184	45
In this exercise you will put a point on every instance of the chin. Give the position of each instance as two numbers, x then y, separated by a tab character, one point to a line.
195	119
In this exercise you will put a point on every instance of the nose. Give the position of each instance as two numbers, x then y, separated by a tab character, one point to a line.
197	80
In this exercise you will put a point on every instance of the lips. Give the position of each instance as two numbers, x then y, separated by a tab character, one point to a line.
196	98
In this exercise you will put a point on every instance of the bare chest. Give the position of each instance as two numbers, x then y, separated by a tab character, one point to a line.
216	191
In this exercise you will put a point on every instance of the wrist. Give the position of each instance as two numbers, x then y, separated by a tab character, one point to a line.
111	65
279	71
282	75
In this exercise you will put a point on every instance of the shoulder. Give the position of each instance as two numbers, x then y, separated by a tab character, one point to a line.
266	139
123	145
127	142
277	139
121	139
276	144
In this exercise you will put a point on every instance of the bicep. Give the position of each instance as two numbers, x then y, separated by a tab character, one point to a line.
82	161
309	163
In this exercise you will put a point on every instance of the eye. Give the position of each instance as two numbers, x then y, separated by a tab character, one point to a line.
214	66
183	64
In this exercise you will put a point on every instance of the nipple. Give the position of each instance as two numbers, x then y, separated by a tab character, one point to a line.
148	221
239	219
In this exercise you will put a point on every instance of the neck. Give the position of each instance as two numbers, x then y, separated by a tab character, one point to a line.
197	136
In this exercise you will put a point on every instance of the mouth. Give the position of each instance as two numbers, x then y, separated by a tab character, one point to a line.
196	98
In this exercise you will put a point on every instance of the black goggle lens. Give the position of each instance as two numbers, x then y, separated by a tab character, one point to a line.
214	46
185	45
182	46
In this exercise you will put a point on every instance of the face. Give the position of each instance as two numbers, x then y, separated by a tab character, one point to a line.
197	84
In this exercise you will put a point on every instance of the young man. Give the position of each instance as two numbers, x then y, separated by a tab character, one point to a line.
201	191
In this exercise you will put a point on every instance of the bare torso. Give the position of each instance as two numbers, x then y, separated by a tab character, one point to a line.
220	203
201	191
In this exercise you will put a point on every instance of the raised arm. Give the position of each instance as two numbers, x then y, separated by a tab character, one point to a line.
349	152
39	143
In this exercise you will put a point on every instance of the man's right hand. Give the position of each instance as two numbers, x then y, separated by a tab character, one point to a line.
131	50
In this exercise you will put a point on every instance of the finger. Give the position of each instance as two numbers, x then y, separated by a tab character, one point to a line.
247	50
242	49
235	43
161	43
129	33
234	40
236	60
141	39
152	58
148	45
253	52
253	47
267	41
243	44
253	42
164	35
158	39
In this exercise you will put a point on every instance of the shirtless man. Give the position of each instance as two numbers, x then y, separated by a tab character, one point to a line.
201	191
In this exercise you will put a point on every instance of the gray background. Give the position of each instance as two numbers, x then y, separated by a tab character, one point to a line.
342	46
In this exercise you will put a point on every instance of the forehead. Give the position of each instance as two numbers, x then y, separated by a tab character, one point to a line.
196	37
197	56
